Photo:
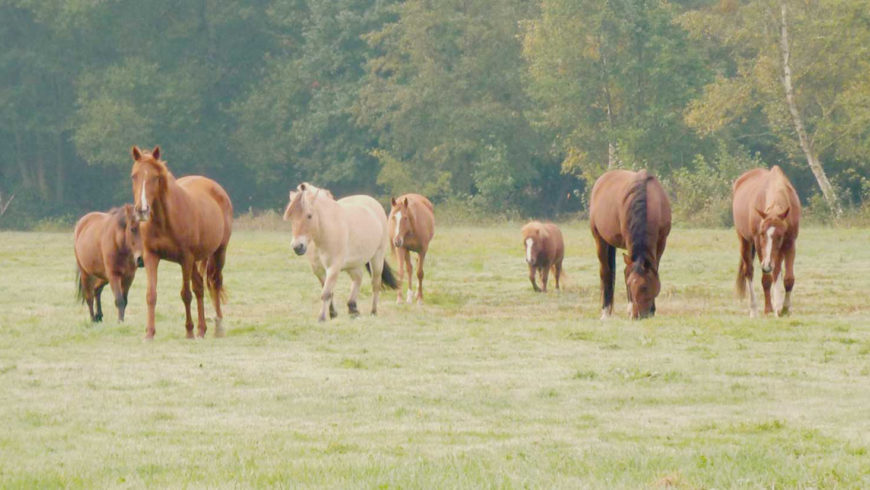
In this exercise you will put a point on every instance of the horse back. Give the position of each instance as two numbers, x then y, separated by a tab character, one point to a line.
607	206
423	214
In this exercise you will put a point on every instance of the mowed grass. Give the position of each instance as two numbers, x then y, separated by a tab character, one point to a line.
487	385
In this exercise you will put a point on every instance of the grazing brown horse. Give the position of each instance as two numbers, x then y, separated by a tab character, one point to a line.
630	210
544	250
767	215
412	226
107	247
187	221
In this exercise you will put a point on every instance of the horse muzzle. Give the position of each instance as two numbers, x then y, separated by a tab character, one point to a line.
300	248
398	242
766	268
143	214
140	262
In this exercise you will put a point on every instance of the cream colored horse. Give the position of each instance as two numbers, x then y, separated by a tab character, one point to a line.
345	235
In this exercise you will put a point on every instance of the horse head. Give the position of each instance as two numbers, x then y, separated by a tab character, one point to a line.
772	228
534	235
642	281
302	214
149	178
129	224
400	213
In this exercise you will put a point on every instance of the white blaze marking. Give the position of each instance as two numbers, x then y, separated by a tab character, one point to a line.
398	222
769	248
142	199
529	243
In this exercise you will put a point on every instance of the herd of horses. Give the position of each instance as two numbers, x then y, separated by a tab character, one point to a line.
189	221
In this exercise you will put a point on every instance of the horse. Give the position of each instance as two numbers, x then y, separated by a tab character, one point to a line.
344	235
630	210
412	221
545	249
767	214
108	248
187	221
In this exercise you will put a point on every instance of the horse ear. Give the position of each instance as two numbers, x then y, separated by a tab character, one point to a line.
784	215
626	259
156	152
301	187
393	201
137	154
406	202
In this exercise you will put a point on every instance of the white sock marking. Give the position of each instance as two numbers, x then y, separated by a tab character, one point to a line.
753	306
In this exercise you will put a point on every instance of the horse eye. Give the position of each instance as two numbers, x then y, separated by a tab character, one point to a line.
309	216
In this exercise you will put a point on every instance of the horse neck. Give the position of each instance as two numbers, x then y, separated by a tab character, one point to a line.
166	204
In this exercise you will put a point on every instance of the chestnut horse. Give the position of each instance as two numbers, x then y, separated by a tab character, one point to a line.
767	215
187	221
347	235
412	226
544	250
108	248
630	210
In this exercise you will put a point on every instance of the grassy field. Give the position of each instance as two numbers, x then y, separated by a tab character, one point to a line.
487	385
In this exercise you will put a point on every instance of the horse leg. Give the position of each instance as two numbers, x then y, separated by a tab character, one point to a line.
320	272
356	276
326	293
545	276
789	279
766	283
118	293
88	292
98	292
187	265
532	272
409	296
777	288
151	263
744	274
198	293
607	262
215	282
377	265
421	256
401	253
557	273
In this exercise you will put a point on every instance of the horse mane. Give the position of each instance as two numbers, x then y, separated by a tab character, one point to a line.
535	226
779	186
637	220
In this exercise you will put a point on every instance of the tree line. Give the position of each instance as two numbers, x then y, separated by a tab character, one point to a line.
498	105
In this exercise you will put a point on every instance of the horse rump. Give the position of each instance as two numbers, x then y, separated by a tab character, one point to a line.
388	280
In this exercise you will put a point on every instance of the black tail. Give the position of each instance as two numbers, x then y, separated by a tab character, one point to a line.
388	280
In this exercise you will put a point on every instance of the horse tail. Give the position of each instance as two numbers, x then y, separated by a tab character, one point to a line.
80	292
388	280
211	271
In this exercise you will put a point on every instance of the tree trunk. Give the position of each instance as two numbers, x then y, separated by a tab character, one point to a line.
612	153
19	159
806	143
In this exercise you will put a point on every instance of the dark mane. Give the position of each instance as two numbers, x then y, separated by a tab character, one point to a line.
637	222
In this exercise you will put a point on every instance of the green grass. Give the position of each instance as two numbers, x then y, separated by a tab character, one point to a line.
487	385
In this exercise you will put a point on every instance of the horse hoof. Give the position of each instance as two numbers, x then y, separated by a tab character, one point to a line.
148	338
321	319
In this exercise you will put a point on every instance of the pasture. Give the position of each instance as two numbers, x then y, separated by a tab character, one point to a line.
487	385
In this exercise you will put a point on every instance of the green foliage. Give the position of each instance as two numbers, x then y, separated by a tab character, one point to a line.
701	193
508	106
